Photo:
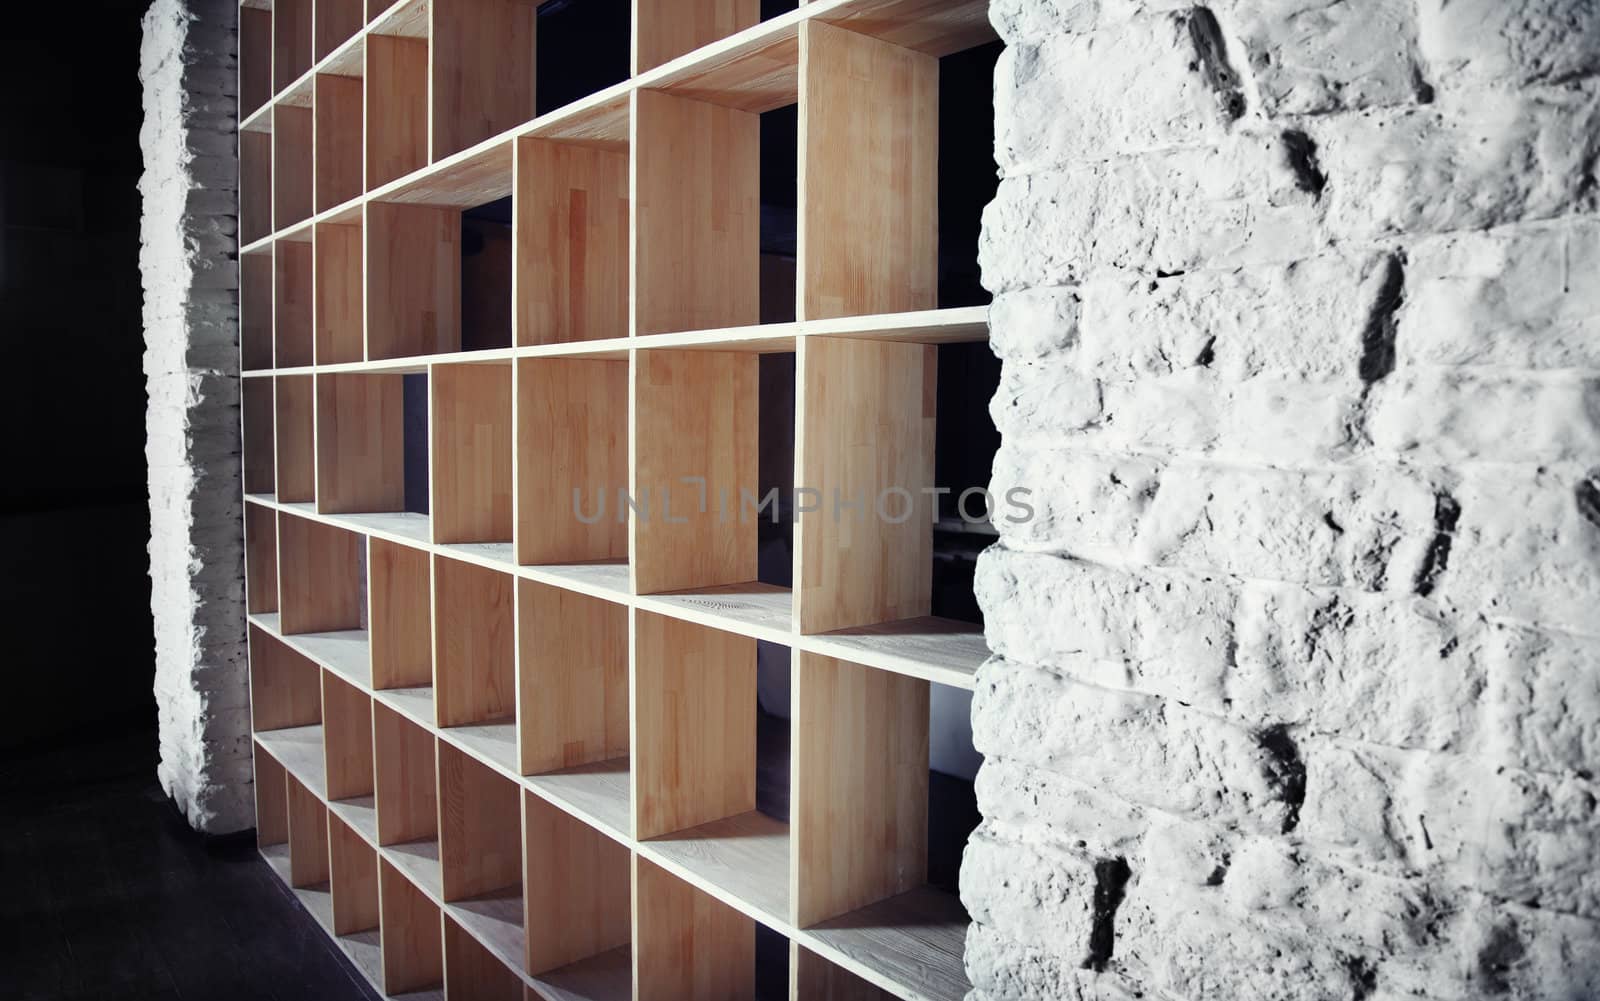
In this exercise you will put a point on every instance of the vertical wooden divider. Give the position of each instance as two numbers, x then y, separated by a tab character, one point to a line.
258	418
272	801
812	978
337	107
260	558
285	685
294	415
482	80
406	776
572	678
308	837
396	107
579	904
319	577
400	596
255	302
687	944
410	933
255	185
666	29
293	136
360	442
480	826
339	313
346	738
470	411
413	280
292	302
474	645
353	875
473	972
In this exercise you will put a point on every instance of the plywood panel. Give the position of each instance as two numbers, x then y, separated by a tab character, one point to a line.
400	593
347	738
480	826
336	21
320	571
413	280
272	801
308	836
869	161
473	972
292	137
260	559
338	109
572	242
353	872
295	419
339	316
697	227
255	186
397	107
574	667
474	655
694	725
360	443
411	937
256	415
255	307
403	754
859	786
285	686
865	427
255	60
471	414
666	29
581	907
688	944
572	435
291	41
483	70
292	297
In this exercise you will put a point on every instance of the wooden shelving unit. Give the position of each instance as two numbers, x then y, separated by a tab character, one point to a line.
508	749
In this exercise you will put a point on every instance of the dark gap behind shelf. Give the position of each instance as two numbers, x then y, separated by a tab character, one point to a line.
965	442
967	174
772	730
486	276
583	46
775	450
772	964
416	442
779	199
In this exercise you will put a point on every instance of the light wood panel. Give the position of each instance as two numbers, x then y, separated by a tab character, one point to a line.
353	875
339	314
471	416
687	944
665	29
865	427
869	161
573	696
413	280
319	569
410	933
474	654
572	241
694	720
934	27
335	22
572	435
696	414
815	979
396	107
757	71
292	303
483	70
285	687
295	418
272	801
260	559
338	110
255	60
405	791
858	786
292	138
347	738
697	221
480	825
580	906
473	972
256	415
400	596
255	186
291	41
308	836
255	307
360	443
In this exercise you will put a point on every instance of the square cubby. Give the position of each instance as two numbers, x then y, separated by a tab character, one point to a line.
582	48
292	308
255	181
353	880
472	495
255	60
260	558
372	448
404	779
308	837
472	971
689	944
580	918
347	742
396	99
400	603
338	314
322	577
285	685
410	933
258	429
335	23
255	310
338	108
293	139
272	801
474	646
294	418
480	849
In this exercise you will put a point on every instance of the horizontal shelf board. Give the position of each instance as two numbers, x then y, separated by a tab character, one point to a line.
910	945
260	246
347	654
407	19
755	70
495	920
928	326
601	580
419	862
405	527
299	232
494	744
298	94
416	704
299	750
608	347
464	180
764	611
598	119
766	338
941	650
606	977
746	858
265	500
596	794
937	27
344	214
349	59
259	120
361	813
366	952
494	555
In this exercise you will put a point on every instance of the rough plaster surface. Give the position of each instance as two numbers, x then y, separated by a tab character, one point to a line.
1296	686
188	260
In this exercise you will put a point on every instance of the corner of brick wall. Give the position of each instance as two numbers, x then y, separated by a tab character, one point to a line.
1296	686
189	263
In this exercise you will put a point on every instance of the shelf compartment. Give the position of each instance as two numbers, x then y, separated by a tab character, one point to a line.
260	558
291	41
406	790
255	308
400	592
913	943
308	836
336	22
574	678
582	907
411	934
573	436
296	438
320	571
471	971
255	185
472	495
293	134
339	317
940	650
686	943
347	738
299	750
815	977
599	793
413	280
353	879
272	801
757	71
480	828
338	109
746	857
474	650
292	302
285	686
482	70
360	446
572	242
666	29
255	60
256	419
396	106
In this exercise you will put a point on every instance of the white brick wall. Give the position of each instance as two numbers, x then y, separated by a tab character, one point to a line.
191	319
1296	687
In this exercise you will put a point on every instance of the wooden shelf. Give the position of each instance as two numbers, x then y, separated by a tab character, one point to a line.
291	304
295	418
744	858
471	468
405	778
255	311
474	652
320	578
260	558
411	934
360	443
285	686
581	910
256	419
338	314
470	969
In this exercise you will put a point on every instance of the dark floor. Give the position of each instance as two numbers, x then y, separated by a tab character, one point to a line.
109	894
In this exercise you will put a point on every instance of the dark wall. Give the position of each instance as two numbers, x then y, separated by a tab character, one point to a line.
74	595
